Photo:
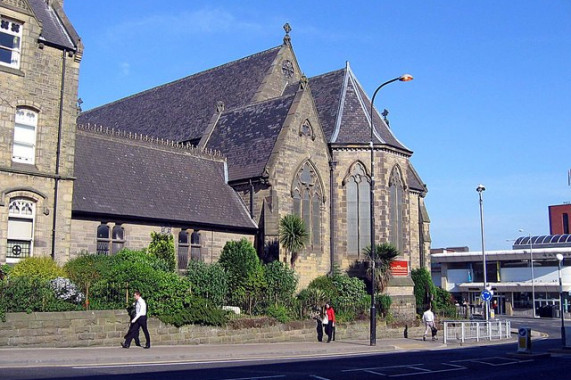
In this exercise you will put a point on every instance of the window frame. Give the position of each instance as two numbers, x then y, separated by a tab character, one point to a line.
7	26
15	217
25	135
305	193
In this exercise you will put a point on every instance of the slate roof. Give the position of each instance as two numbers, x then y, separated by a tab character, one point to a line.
344	111
53	30
247	135
128	178
181	110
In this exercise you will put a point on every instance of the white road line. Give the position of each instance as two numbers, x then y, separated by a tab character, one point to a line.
318	377
374	368
255	377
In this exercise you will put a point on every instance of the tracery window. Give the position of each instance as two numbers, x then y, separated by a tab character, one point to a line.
117	238
183	245
396	209
103	239
21	218
195	247
358	187
307	200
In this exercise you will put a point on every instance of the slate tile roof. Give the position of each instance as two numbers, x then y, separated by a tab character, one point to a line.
247	135
181	110
128	178
53	29
344	111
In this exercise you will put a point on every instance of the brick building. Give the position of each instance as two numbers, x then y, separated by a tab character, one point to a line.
559	222
224	154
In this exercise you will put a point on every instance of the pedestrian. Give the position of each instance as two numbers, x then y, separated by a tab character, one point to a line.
318	316
428	319
330	326
138	322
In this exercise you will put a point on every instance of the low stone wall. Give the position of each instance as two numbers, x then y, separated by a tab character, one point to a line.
107	328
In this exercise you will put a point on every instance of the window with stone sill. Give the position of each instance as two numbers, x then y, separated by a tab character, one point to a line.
110	240
10	42
357	191
21	218
25	127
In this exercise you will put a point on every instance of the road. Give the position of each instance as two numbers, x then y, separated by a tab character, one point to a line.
475	362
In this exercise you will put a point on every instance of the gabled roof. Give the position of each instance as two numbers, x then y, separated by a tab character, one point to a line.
344	111
56	29
247	135
129	178
181	110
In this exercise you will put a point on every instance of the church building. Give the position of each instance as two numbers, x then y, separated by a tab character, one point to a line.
219	155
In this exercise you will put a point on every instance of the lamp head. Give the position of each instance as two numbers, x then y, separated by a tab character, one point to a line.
559	257
480	188
406	78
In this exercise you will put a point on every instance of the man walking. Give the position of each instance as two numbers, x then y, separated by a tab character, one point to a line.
138	321
428	319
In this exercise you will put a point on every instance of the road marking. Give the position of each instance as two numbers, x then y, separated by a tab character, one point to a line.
255	377
318	377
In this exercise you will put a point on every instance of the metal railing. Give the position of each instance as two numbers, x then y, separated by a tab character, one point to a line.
462	331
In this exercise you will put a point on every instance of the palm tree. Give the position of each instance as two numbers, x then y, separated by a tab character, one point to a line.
293	236
385	254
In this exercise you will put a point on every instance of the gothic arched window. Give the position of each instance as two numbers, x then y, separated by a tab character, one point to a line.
358	187
396	209
21	217
307	198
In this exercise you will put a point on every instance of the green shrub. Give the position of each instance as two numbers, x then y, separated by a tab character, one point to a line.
85	270
4	271
208	281
281	283
246	280
196	311
279	312
30	294
42	268
162	247
384	303
424	289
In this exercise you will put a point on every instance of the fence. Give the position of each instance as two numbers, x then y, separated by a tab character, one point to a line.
476	330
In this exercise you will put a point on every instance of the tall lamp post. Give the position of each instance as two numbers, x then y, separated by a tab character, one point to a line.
480	189
373	324
532	273
560	260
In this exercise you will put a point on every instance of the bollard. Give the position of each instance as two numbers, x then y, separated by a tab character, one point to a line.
524	340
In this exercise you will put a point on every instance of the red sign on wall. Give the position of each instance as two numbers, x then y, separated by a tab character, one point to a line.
399	268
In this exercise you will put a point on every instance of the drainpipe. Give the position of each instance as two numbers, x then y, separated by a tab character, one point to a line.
251	199
332	217
58	153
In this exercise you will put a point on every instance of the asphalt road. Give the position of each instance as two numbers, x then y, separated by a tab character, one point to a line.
476	362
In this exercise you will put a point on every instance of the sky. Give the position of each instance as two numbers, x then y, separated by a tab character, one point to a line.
489	103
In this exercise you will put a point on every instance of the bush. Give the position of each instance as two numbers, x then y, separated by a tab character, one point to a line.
85	270
384	303
66	290
162	247
27	294
42	268
208	281
196	311
279	312
281	283
246	280
424	289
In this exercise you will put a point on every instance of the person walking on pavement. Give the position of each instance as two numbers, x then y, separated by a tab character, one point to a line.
139	321
428	319
318	316
330	326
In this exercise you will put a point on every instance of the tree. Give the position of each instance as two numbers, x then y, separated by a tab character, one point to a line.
162	247
384	255
293	236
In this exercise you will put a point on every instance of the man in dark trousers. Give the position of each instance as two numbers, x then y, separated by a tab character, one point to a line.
138	321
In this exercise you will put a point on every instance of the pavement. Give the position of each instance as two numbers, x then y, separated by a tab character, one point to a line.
11	357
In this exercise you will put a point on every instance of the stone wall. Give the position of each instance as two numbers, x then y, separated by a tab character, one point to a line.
107	328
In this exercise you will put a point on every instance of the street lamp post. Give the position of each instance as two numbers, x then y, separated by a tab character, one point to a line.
373	324
532	274
480	189
560	260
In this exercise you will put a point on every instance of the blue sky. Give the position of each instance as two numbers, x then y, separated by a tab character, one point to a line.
489	103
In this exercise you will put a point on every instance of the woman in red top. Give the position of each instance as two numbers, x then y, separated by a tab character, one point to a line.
330	327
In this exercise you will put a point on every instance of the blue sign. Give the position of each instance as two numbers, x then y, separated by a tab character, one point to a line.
486	295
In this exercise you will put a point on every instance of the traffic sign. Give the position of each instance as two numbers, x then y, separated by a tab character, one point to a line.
486	295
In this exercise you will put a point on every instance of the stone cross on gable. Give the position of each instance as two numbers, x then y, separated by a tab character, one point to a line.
287	39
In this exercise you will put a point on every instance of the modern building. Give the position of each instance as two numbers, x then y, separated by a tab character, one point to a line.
219	155
510	274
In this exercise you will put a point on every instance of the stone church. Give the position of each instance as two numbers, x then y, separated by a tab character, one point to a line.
219	155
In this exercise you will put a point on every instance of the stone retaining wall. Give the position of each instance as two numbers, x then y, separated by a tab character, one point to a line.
107	328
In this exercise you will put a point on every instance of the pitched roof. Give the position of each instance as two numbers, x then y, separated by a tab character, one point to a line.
247	135
181	110
344	111
53	30
154	182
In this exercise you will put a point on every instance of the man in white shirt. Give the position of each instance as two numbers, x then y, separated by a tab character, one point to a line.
138	321
428	319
